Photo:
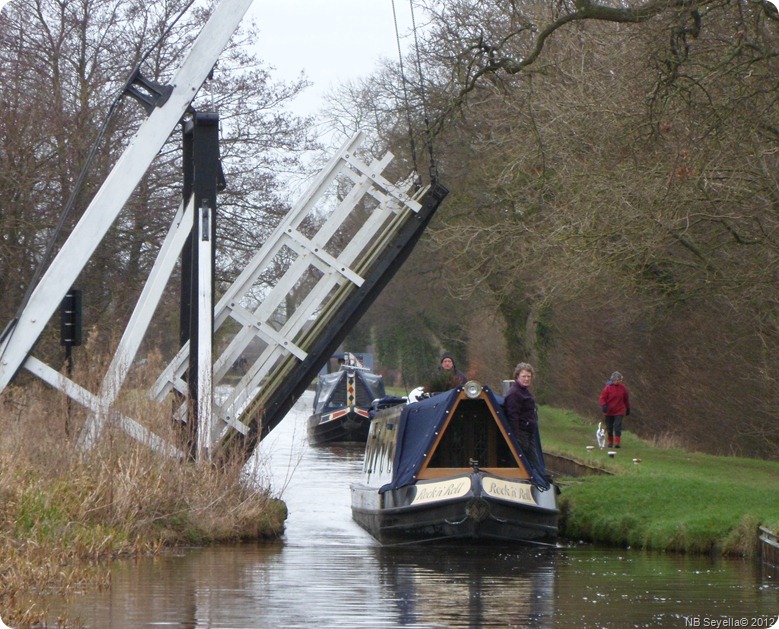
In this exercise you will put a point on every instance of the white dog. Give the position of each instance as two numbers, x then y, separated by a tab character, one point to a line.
600	436
415	395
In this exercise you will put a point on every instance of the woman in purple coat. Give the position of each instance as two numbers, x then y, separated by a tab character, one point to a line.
520	407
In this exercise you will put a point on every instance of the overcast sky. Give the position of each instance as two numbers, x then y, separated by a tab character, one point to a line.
331	40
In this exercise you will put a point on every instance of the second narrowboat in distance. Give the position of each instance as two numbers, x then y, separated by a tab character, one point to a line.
342	401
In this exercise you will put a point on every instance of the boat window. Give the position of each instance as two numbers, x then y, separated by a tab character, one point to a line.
380	450
327	386
333	390
337	395
472	435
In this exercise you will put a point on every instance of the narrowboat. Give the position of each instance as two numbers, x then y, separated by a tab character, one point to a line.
342	402
448	467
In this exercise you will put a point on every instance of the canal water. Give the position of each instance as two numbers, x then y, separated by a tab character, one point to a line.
327	573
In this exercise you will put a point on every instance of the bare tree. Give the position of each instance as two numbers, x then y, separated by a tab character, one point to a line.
64	67
613	174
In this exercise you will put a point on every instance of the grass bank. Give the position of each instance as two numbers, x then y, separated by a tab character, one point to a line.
669	499
67	512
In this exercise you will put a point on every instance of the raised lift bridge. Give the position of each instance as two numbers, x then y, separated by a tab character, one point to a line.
289	326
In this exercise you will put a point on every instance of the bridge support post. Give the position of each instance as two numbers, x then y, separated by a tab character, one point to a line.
203	178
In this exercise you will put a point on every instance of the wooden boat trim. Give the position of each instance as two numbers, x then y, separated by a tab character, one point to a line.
520	472
446	472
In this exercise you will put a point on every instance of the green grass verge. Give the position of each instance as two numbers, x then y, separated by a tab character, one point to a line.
670	499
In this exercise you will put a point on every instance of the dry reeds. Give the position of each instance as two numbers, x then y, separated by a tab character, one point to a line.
665	441
66	510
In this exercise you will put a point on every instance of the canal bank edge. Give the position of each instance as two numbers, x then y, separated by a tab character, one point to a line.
769	547
657	498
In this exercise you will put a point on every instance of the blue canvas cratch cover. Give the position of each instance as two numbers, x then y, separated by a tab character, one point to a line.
385	402
419	425
331	390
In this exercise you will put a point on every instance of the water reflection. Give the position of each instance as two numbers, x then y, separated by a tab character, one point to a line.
469	586
328	573
187	590
259	586
637	589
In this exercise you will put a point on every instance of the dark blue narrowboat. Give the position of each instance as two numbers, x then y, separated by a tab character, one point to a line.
342	402
448	467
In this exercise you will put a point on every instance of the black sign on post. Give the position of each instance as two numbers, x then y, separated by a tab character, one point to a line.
71	319
70	333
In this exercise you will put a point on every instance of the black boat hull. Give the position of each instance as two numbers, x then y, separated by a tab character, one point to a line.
345	425
461	507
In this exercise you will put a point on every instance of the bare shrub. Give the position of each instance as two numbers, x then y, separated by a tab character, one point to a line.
665	441
67	509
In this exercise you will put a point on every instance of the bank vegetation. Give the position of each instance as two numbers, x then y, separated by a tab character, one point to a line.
653	494
68	512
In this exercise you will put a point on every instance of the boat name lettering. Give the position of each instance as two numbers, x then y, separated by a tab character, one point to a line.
518	492
442	490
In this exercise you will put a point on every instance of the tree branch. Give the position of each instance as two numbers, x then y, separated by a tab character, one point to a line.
585	10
